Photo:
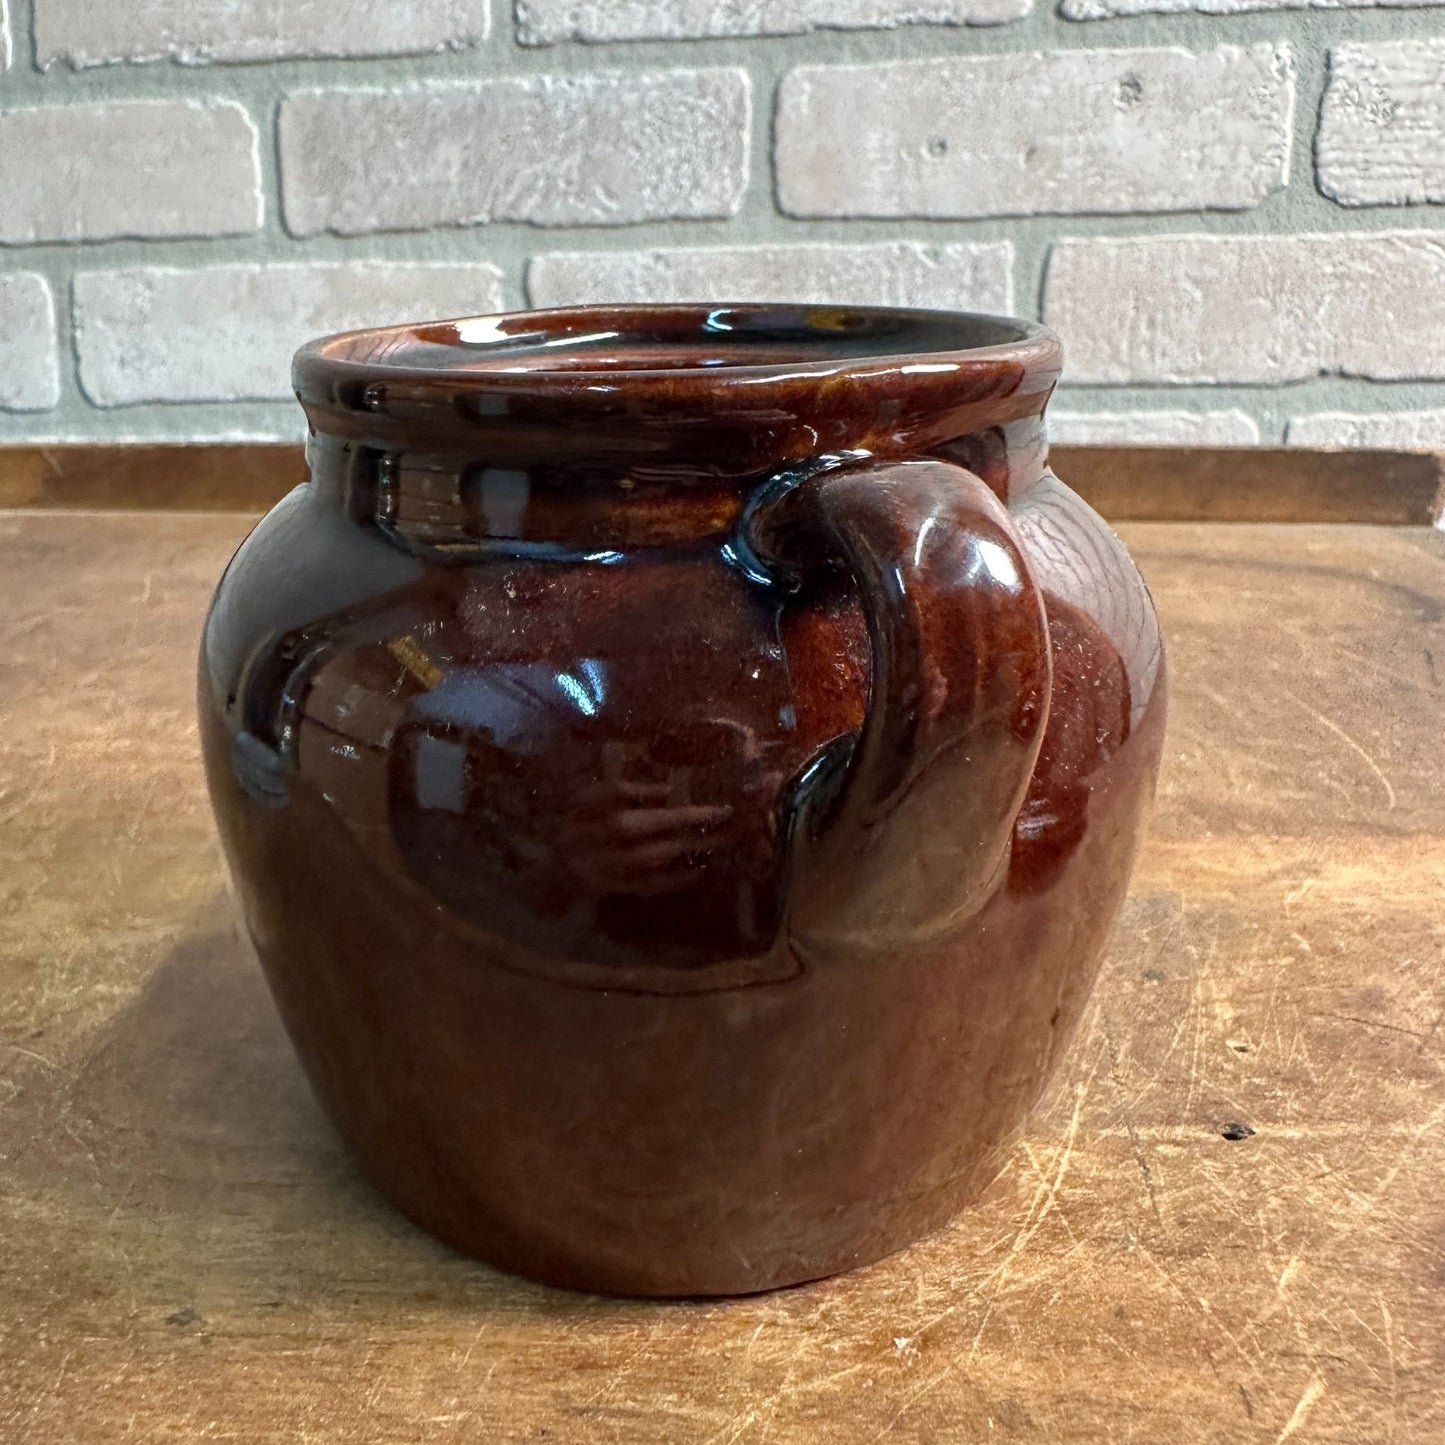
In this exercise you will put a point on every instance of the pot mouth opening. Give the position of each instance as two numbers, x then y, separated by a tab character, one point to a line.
666	344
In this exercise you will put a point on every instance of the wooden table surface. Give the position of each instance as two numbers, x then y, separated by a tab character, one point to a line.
1228	1224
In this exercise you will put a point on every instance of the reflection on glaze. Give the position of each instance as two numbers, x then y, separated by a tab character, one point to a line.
680	817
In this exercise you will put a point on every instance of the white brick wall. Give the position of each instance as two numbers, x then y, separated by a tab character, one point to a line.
970	278
29	364
1262	309
1405	430
223	332
128	168
1075	131
1382	127
1110	9
103	32
1236	220
601	150
545	22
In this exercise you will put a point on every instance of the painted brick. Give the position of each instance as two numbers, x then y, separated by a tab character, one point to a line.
29	359
1266	309
546	22
1113	9
1382	125
1069	131
1153	428
965	277
1405	430
104	32
226	333
129	168
552	150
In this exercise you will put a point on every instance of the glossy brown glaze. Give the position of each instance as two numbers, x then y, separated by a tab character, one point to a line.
680	766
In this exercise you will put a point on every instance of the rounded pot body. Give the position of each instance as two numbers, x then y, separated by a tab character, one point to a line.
680	767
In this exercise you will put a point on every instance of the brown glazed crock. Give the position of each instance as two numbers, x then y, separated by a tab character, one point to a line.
680	766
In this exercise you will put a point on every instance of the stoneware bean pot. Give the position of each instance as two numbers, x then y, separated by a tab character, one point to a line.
680	766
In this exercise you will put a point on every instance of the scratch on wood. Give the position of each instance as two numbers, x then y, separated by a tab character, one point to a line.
1380	1340
915	1395
1432	1031
1136	1145
1372	1024
919	1331
822	1382
1349	742
1294	895
1253	1361
31	1054
1313	1391
1039	1174
737	1428
1039	1207
1413	1139
1287	1274
1394	1374
482	1330
620	1371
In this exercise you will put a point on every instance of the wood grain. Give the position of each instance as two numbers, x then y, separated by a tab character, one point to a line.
1150	484
1254	484
209	477
186	1252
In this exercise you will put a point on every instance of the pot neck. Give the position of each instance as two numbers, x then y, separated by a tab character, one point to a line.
456	500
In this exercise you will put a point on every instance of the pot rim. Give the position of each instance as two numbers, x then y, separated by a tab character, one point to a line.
555	346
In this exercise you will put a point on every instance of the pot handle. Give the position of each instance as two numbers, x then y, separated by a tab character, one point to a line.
902	832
